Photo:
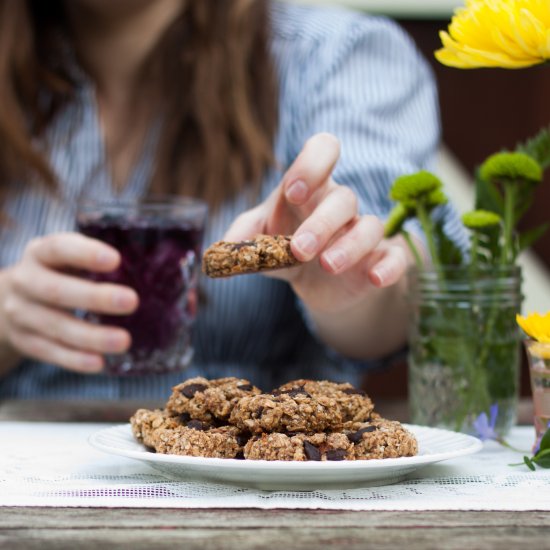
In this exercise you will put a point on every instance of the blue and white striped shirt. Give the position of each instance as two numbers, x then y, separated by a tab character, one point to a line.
355	76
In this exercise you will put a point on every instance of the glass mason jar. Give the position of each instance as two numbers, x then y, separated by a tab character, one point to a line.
464	346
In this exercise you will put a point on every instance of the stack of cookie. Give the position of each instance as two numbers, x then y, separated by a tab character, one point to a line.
301	420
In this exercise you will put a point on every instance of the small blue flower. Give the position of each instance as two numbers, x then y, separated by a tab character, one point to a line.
484	426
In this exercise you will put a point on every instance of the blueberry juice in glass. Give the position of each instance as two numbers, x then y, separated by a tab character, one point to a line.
159	242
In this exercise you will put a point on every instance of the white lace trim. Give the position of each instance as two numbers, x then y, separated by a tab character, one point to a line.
51	464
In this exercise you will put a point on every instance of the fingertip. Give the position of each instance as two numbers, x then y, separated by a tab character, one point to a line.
245	226
118	341
107	258
126	300
327	140
334	261
304	246
385	274
235	236
377	277
93	363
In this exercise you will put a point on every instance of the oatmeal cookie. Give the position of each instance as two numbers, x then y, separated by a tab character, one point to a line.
183	435
209	400
144	422
354	404
301	447
295	411
264	252
380	438
200	439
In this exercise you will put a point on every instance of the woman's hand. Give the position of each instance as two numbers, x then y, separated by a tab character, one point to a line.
348	280
349	254
38	295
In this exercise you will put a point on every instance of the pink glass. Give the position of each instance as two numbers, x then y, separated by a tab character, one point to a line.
538	354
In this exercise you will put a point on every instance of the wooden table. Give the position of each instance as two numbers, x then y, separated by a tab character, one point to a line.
87	528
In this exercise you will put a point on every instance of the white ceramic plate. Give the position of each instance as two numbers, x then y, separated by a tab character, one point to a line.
435	445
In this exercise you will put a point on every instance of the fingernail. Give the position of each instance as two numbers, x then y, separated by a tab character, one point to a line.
306	243
379	275
297	191
124	300
336	258
106	257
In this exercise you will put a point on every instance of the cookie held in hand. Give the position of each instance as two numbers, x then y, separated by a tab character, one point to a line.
262	253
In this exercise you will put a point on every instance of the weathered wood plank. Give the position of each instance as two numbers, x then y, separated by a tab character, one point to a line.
132	518
300	539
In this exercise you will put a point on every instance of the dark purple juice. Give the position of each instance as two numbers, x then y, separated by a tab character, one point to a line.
159	260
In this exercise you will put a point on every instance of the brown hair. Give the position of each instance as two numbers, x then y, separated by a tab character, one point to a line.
214	83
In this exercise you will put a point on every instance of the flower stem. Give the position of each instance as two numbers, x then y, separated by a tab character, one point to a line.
414	250
505	443
473	253
507	255
427	226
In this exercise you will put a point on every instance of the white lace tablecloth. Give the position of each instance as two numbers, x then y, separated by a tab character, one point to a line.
51	464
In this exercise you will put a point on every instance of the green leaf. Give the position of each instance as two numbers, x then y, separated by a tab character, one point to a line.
529	463
448	252
524	199
541	454
489	245
538	147
545	442
529	237
543	461
488	196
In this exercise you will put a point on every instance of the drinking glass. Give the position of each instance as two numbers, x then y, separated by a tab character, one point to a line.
159	240
538	355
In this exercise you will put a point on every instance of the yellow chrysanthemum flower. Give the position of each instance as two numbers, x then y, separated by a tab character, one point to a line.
497	33
535	325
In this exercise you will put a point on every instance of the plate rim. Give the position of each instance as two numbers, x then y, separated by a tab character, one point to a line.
474	445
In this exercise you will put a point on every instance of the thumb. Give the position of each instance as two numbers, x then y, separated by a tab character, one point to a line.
247	225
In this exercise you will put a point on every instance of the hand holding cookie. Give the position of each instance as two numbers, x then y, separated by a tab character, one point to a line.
341	254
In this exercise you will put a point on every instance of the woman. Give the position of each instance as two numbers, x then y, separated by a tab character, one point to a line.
234	101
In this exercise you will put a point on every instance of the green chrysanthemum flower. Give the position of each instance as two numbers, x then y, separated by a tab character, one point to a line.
430	201
436	198
480	219
408	189
511	166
